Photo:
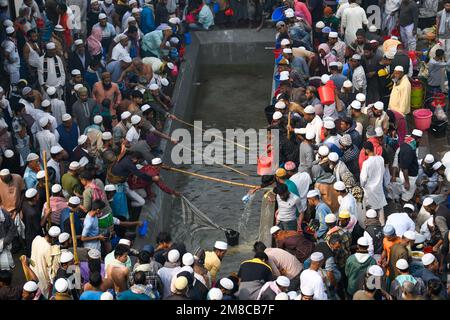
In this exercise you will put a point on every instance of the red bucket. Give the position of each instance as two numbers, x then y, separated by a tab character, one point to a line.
422	119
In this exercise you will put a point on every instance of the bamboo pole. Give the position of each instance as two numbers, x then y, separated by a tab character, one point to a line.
47	188
289	126
220	164
214	135
74	237
237	184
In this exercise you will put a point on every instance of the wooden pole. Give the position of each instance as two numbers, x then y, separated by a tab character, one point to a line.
289	126
245	185
47	188
74	237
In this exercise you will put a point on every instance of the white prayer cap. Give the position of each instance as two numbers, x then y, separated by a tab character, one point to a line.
46	103
32	156
125	115
74	165
132	2
9	153
347	84
10	30
125	242
428	259
306	290
289	13
389	55
173	255
325	78
101	16
94	254
50	45
378	105
430	222
284	75
313	193
78	86
98	119
277	115
280	105
330	218
74	200
399	68
287	50
106	135
310	135
154	86
420	238
135	10
66	256
135	119
320	25
329	125
309	110
411	235
285	42
417	133
175	20
379	132
333	157
282	296
82	139
56	188
174	40
356	104
274	229
361	97
7	23
402	264
76	72
78	42
363	242
221	245
333	34
437	165
156	161
4	172
26	91
215	294
226	283
106	295
317	256
61	285
56	149
300	130
63	237
339	185
376	270
40	174
371	214
31	193
324	151
187	259
427	201
164	82
43	121
170	65
373	28
334	64
356	57
145	107
30	286
283	281
83	162
110	187
54	231
429	158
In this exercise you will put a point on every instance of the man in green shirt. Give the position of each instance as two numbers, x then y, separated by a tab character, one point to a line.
70	182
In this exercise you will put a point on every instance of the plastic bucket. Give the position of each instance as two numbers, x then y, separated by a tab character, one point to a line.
216	7
417	94
232	237
143	229
422	119
278	14
326	94
187	38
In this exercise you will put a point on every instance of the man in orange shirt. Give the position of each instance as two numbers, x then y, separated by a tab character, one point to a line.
106	89
390	238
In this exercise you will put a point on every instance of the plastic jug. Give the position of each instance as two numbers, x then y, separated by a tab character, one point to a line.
326	93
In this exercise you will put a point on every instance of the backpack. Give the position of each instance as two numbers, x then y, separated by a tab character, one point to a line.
376	232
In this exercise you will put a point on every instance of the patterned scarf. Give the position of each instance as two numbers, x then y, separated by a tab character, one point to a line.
411	142
58	71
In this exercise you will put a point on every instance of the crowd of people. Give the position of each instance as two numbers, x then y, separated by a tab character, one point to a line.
83	105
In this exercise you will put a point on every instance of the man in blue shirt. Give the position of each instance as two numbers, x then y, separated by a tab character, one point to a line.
90	235
322	210
95	281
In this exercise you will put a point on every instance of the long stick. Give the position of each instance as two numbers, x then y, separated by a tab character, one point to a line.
74	237
289	125
245	185
220	164
214	135
47	188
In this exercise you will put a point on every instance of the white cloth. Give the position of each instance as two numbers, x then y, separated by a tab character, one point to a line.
58	109
348	203
359	80
287	209
313	279
370	241
46	141
119	52
401	223
407	194
408	38
52	79
166	274
371	177
353	18
133	135
316	126
302	181
425	231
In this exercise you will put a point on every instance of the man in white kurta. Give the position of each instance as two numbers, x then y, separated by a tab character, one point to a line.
315	123
45	138
311	277
389	18
51	70
401	222
353	18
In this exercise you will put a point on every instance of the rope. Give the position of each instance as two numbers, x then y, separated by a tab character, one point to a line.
214	135
187	205
220	164
238	184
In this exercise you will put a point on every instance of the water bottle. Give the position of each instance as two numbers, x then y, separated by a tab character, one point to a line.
143	229
246	198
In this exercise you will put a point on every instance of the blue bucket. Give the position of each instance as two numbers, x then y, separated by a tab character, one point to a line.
278	14
143	229
216	7
187	38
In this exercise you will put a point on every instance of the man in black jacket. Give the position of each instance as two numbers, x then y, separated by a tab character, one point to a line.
80	58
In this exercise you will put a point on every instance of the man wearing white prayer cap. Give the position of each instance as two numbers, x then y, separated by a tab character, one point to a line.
314	122
440	213
359	75
373	280
430	272
30	291
402	221
311	277
400	98
62	290
306	292
213	259
227	286
271	288
51	72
